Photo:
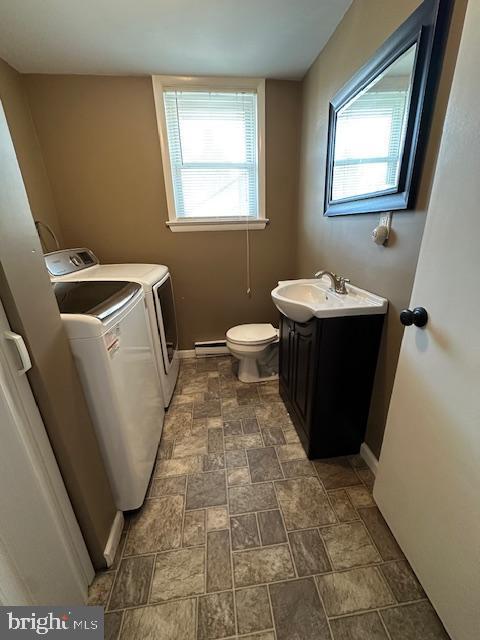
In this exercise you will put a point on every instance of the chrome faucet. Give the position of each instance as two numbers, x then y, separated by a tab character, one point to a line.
337	283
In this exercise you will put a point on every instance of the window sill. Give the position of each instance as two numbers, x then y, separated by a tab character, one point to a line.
216	224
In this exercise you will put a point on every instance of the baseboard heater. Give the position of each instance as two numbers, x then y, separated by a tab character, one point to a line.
211	348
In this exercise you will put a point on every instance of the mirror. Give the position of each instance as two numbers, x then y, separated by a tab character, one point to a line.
371	133
379	120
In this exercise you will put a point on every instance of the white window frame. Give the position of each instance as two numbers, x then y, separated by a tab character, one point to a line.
160	84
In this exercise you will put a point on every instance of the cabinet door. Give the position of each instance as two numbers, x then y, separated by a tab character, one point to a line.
304	365
285	352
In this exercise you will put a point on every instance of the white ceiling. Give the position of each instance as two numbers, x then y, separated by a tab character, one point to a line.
271	38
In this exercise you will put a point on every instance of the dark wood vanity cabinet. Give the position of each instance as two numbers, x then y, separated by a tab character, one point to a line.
326	372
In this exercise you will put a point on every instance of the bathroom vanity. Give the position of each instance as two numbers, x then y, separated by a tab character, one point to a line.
327	359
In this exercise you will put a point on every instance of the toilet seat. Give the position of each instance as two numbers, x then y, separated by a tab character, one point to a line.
252	334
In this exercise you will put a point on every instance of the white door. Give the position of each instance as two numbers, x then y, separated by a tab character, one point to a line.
43	558
428	483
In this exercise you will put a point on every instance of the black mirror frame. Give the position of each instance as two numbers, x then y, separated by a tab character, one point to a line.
428	28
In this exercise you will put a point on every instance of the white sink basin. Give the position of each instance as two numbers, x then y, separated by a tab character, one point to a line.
301	300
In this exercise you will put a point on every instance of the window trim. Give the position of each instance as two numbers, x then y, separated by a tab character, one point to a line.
159	84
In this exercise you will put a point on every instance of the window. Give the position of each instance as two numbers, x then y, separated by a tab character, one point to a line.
212	139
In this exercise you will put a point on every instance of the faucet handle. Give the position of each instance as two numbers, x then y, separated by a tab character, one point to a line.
341	282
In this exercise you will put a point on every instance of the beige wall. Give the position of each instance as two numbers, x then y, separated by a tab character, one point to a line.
32	311
100	143
343	244
28	151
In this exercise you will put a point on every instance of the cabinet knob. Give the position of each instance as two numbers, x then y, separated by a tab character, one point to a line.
418	317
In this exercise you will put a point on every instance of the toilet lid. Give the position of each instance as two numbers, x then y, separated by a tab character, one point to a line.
252	333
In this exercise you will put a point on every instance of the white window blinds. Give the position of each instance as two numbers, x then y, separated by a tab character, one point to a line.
213	148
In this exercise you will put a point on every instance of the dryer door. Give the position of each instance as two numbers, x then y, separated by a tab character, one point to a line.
166	319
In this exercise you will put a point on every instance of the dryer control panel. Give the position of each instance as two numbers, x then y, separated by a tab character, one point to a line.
62	263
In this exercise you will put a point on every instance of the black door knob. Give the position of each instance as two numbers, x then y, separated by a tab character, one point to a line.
418	317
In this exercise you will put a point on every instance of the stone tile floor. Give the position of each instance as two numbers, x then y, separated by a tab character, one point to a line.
242	537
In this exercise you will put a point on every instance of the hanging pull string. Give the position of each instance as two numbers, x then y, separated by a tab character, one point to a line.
249	287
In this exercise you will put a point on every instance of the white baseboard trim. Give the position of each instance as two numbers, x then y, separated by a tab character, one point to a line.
113	538
186	354
369	458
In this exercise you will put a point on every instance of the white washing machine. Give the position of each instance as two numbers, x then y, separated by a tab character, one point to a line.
110	340
82	264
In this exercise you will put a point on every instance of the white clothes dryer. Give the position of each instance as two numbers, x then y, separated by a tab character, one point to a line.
82	264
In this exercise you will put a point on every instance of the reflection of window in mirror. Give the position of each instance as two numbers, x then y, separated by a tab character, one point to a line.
370	133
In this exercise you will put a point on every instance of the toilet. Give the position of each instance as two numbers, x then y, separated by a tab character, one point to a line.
256	348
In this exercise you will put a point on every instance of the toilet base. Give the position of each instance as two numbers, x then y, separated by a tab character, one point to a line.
248	371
